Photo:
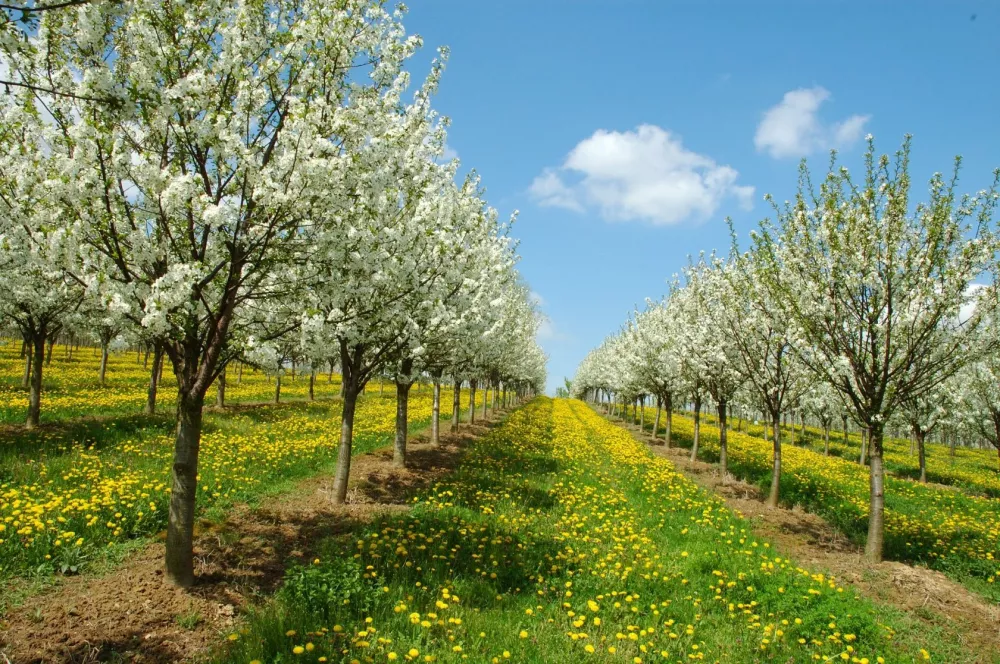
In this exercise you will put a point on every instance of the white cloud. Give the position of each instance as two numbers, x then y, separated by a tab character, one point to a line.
646	174
546	330
548	189
792	128
449	153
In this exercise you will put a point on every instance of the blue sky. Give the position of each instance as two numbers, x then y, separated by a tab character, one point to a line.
625	132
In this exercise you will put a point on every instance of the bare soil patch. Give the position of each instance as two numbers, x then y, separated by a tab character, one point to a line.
133	614
925	594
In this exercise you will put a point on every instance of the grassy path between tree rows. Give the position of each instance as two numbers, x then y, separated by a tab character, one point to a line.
560	538
941	527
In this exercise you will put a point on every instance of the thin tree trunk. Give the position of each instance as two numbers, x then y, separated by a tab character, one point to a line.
456	405
656	422
876	513
104	362
239	374
921	436
843	420
145	357
486	391
277	387
184	489
343	472
436	412
472	401
402	403
220	390
26	377
48	355
154	378
312	385
642	415
37	356
826	439
697	429
668	411
864	445
774	494
723	458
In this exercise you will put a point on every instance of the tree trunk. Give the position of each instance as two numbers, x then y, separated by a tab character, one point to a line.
774	494
456	405
312	385
723	460
843	420
921	436
436	412
26	377
220	390
48	355
656	421
486	393
402	403
403	384
104	362
472	401
668	411
239	373
343	472
876	514
145	358
184	489
826	439
864	445
277	387
37	356
642	415
802	428
154	378
697	429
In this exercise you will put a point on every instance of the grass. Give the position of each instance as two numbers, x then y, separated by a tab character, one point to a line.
562	539
79	490
973	470
943	528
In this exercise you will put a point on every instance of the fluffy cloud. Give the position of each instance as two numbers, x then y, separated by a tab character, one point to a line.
792	128
646	174
449	153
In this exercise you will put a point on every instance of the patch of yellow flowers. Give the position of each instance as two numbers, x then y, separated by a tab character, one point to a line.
562	539
71	496
923	522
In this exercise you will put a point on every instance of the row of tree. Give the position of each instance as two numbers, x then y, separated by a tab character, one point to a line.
244	181
851	303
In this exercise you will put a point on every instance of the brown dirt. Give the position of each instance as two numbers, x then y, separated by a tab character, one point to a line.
133	614
926	595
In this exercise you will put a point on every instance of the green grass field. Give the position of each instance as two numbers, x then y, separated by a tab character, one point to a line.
945	528
560	538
